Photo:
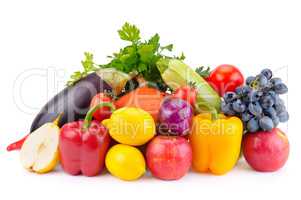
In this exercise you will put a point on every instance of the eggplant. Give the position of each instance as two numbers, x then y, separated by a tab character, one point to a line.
72	102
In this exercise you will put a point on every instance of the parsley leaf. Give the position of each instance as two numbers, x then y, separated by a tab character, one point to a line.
167	47
154	41
129	33
88	65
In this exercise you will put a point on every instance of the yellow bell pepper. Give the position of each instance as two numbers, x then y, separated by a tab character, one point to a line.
215	143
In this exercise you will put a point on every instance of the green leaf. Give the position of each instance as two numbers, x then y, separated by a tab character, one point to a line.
88	62
154	41
117	64
146	53
167	47
129	32
129	60
88	65
203	72
142	67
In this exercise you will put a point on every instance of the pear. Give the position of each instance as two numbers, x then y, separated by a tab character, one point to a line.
39	152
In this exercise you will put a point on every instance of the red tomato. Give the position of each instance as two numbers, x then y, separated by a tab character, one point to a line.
186	93
225	78
104	112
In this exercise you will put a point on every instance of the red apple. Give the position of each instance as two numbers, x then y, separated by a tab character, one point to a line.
169	157
266	151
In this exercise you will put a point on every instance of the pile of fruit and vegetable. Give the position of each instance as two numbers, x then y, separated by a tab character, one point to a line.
147	109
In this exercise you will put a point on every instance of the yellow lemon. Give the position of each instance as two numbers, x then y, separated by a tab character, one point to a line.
131	126
125	162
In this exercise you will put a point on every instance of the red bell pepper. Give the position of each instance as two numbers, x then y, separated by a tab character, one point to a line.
84	144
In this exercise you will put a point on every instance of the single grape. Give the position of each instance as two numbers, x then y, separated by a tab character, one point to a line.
266	101
272	94
242	90
249	80
275	81
238	90
262	81
230	96
254	95
252	125
266	123
279	107
271	112
238	106
267	88
283	116
246	116
267	73
246	99
278	100
255	108
280	88
227	108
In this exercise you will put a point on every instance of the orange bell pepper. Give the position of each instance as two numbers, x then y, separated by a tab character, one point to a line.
215	143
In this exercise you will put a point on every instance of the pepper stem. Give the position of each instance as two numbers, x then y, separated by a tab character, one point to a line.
89	115
57	119
209	108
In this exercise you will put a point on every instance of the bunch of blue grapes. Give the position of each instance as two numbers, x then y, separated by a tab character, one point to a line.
257	103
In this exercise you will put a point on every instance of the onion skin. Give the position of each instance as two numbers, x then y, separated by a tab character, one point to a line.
175	116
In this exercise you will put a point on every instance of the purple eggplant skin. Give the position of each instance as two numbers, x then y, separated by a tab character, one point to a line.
175	116
72	102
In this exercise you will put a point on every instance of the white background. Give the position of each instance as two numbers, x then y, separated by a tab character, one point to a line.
37	37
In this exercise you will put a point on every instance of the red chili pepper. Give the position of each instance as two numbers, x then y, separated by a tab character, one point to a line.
16	145
84	144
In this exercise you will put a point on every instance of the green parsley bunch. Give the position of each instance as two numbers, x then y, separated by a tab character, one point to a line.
139	57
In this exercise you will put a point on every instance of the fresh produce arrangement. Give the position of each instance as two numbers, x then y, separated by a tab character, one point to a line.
148	110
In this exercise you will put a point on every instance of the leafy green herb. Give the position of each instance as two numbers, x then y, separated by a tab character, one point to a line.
203	72
88	65
129	33
139	56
